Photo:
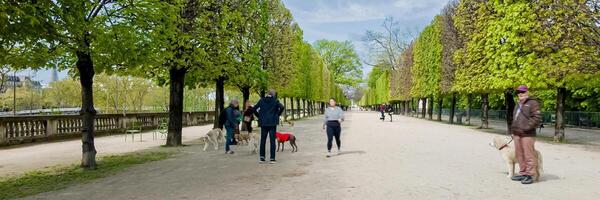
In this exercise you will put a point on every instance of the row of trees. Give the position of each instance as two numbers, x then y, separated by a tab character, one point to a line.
251	45
477	48
113	94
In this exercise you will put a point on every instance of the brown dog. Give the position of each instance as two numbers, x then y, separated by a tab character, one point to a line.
284	137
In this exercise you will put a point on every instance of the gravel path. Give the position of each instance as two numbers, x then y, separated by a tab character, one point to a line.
407	159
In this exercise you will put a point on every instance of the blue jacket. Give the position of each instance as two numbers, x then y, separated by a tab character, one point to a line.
268	110
233	116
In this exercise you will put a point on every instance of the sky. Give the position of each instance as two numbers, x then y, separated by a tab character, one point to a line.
350	19
342	20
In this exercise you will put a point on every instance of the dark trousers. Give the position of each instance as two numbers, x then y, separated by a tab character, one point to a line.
229	137
264	132
333	130
248	126
382	115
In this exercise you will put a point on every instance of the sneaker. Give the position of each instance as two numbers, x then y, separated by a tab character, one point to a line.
273	161
229	152
338	152
518	178
527	180
261	162
329	154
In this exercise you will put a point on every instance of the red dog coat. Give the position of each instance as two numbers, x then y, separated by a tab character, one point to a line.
282	137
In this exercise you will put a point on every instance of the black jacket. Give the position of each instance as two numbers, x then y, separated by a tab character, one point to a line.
268	110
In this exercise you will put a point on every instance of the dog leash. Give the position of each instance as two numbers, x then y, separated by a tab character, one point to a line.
505	145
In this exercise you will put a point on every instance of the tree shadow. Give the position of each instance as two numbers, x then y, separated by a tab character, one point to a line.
352	152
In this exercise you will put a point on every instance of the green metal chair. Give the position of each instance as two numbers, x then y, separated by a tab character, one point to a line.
162	129
136	127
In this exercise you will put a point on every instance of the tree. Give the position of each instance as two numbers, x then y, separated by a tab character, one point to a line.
389	43
427	69
77	33
342	61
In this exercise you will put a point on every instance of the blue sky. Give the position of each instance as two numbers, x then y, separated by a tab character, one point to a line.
345	20
350	19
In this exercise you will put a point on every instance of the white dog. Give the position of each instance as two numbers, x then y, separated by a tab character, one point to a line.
215	137
508	154
254	140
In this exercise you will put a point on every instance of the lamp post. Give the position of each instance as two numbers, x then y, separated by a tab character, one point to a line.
15	92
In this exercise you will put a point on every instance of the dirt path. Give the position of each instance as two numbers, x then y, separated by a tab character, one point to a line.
19	159
407	159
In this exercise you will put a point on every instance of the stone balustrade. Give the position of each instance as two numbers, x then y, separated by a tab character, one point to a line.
23	129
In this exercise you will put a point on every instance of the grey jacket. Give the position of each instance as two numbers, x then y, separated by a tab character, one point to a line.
333	114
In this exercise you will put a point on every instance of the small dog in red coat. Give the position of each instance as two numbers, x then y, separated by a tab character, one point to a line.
283	137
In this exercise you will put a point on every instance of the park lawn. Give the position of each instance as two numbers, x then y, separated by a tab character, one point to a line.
36	182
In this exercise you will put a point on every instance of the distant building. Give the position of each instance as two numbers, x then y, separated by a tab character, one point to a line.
20	81
54	75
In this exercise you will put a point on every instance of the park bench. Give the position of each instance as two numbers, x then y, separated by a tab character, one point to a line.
136	128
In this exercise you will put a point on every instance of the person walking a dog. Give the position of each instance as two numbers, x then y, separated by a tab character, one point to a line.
527	117
268	109
232	122
334	116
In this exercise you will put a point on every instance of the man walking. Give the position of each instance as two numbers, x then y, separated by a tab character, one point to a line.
268	109
527	117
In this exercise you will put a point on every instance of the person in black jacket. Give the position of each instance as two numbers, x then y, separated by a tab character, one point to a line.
268	109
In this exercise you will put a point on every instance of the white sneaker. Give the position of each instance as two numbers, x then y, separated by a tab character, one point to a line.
338	152
329	154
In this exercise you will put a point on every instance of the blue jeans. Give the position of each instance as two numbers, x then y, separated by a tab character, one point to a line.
229	138
264	132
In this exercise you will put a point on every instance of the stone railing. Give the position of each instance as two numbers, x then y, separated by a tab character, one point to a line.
21	129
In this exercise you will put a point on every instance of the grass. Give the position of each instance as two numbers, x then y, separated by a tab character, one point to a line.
36	182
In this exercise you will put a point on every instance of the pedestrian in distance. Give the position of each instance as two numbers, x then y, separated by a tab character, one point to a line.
382	111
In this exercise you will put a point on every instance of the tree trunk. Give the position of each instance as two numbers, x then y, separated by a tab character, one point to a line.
176	84
262	93
292	107
85	66
304	107
484	110
440	107
219	101
299	108
452	108
469	105
245	96
430	108
509	102
285	112
424	108
559	125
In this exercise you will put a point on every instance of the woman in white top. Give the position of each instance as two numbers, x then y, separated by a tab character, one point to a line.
334	116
